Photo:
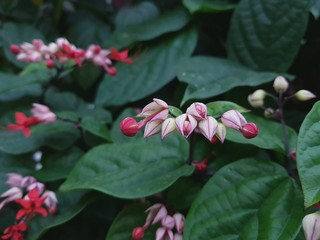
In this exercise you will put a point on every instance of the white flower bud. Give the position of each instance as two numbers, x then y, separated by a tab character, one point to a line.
280	84
311	226
256	99
304	95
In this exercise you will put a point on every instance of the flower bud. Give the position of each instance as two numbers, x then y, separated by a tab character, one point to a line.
168	222
280	84
256	99
269	113
14	179
15	49
156	213
129	127
50	63
249	130
220	134
304	95
177	236
311	226
208	127
43	113
152	128
179	220
138	233
186	124
51	201
198	110
168	126
233	119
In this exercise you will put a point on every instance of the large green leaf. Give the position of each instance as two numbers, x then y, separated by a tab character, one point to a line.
270	135
170	21
208	5
308	156
248	199
152	70
217	108
132	170
131	217
266	34
96	127
210	76
58	135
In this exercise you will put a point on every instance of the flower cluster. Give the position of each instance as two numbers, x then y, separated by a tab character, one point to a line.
61	51
33	198
40	114
171	226
158	119
280	85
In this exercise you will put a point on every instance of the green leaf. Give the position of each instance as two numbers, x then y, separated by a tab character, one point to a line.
248	199
217	108
315	9
209	76
132	170
175	111
208	5
7	5
13	33
57	166
135	14
266	34
57	135
86	76
170	21
151	71
131	217
308	156
270	135
96	127
69	205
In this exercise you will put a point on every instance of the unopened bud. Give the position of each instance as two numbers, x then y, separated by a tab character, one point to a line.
280	84
249	130
304	95
138	233
269	113
256	99
129	127
50	63
311	226
15	49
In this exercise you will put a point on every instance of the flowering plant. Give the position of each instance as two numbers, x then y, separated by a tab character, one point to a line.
159	120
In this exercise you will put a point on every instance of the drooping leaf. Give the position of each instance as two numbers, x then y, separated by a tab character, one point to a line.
266	34
208	5
210	76
270	135
129	218
217	108
170	21
308	156
131	170
152	70
247	199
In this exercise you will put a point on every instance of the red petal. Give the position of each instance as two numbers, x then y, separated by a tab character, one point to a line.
33	194
26	132
20	118
15	127
41	211
24	203
21	213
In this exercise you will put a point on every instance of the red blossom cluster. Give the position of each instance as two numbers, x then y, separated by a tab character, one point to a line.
61	51
157	119
32	198
171	226
40	114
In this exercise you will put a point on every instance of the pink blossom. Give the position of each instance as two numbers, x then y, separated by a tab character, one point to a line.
51	201
186	124
157	110
249	130
164	234
156	213
168	126
179	222
10	195
168	222
138	233
43	113
208	127
233	119
152	128
129	127
198	111
14	179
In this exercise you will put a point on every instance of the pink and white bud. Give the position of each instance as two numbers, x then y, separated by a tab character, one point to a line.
186	124
11	195
168	222
221	132
233	119
38	185
53	48
50	63
22	57
249	130
51	201
304	95
138	233
157	110
34	57
156	213
14	180
27	181
179	222
43	113
164	234
256	99
37	43
197	110
208	127
168	126
311	226
129	127
152	128
280	84
15	49
177	236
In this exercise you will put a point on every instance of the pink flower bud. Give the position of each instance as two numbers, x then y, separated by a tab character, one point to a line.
129	127
50	63
177	236
186	124
38	185
304	95
198	111
220	133
280	84
156	213
179	221
233	119
15	49
152	128
27	181
43	113
311	226
208	127
168	222
157	110
11	195
164	234
138	233
168	126
51	201
14	179
249	130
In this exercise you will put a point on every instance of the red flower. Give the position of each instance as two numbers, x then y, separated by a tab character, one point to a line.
14	232
72	53
201	166
31	205
23	123
120	56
